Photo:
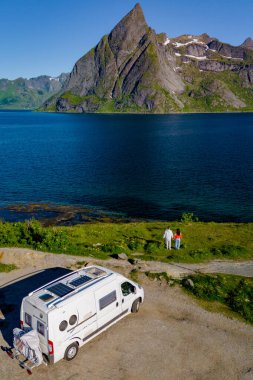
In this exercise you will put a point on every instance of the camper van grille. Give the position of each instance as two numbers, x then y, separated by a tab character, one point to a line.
80	280
60	289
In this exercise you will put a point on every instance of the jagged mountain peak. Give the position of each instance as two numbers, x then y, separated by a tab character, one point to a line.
126	35
248	43
133	69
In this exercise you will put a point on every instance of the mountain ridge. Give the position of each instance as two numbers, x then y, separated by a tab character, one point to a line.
23	93
134	69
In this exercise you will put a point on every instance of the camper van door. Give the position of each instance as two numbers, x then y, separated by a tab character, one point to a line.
108	303
41	328
127	295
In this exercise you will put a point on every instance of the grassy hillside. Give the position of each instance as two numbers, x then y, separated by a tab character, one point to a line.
24	93
17	96
201	241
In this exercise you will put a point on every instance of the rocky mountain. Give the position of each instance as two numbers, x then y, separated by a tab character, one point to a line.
133	69
248	43
29	93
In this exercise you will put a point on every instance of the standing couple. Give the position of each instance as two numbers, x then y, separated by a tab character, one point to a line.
168	235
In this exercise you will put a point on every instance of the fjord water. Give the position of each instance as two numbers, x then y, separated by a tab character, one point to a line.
141	166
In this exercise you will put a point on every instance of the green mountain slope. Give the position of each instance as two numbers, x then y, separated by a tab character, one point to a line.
28	93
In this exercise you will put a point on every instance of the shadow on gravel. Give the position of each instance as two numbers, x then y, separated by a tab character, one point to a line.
12	293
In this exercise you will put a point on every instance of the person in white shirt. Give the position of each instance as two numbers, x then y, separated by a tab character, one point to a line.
168	235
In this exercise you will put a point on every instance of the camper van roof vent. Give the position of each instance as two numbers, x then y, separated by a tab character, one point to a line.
60	289
46	297
80	280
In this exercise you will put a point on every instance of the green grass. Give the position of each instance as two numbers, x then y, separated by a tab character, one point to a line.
230	294
201	241
207	100
72	99
15	95
7	267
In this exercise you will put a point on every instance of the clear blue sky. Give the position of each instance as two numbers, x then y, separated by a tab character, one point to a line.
48	36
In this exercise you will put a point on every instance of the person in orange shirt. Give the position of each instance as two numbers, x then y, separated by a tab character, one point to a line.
177	238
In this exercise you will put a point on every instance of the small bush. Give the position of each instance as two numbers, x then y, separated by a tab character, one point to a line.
135	245
111	248
198	253
188	217
228	250
153	247
160	276
7	267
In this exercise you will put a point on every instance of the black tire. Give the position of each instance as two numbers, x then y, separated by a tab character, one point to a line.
136	306
71	352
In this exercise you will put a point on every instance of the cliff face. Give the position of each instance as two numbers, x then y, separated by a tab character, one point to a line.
135	70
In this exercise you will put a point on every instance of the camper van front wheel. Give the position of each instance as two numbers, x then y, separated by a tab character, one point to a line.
71	351
135	306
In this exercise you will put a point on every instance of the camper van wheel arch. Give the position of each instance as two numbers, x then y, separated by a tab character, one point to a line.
71	351
136	306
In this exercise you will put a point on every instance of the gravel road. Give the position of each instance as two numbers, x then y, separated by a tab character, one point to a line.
170	338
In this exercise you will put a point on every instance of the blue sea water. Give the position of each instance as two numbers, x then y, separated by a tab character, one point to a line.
141	166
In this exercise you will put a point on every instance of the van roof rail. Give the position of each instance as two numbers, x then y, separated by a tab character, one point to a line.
55	280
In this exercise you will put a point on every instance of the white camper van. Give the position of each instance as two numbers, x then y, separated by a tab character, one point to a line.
73	309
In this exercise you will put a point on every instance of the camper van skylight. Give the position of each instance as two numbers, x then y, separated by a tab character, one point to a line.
60	289
46	297
80	280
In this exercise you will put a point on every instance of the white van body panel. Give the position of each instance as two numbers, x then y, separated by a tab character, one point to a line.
77	307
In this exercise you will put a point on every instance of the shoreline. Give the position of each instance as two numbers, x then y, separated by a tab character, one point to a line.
60	215
131	113
49	214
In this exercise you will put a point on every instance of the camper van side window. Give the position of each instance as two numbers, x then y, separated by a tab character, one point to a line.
28	319
107	300
41	328
63	325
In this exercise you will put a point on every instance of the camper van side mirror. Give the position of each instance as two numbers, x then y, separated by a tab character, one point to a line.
134	290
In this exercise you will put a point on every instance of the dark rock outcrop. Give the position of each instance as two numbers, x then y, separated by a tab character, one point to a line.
227	50
216	66
246	74
196	50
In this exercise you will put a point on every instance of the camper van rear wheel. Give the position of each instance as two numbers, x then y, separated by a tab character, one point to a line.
71	351
135	306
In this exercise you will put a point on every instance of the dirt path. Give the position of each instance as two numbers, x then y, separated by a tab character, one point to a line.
26	257
170	338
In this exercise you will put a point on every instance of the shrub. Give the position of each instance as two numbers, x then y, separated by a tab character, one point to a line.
198	253
153	247
228	250
135	245
112	248
32	234
188	217
7	267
